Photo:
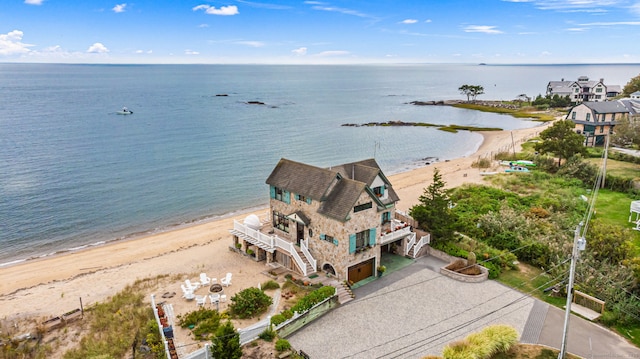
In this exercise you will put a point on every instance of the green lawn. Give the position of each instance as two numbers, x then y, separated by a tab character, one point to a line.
613	208
618	168
530	280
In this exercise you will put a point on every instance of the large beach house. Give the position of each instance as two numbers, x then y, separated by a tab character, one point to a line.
595	120
339	220
583	90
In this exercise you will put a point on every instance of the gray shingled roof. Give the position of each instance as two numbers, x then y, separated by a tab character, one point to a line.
337	188
606	107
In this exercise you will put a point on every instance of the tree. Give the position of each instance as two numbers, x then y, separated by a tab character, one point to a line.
561	140
434	213
626	133
226	343
471	91
632	86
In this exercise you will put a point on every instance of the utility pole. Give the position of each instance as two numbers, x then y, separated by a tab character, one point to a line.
578	245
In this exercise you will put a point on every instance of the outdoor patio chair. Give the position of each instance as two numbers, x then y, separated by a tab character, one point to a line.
186	293
200	300
192	286
204	280
226	281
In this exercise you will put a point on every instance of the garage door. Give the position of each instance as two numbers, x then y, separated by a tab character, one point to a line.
361	270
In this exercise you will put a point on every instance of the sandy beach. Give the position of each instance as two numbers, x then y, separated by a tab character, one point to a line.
53	285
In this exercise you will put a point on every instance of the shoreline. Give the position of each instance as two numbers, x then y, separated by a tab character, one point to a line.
192	248
173	226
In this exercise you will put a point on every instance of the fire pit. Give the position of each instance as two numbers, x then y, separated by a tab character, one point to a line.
215	288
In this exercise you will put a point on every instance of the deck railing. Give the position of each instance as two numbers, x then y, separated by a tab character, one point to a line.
289	247
392	236
410	243
256	235
424	240
304	245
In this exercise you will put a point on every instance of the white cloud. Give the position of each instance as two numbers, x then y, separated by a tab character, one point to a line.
301	51
427	21
333	53
191	52
33	2
144	52
612	23
483	29
202	26
577	29
97	48
119	8
251	43
223	10
409	21
10	43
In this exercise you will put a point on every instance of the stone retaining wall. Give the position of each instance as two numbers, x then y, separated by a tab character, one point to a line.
455	275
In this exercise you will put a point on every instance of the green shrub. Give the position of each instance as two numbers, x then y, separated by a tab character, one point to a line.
249	303
278	319
267	335
269	285
282	345
313	298
484	344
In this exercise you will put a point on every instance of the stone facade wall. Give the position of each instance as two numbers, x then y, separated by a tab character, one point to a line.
327	252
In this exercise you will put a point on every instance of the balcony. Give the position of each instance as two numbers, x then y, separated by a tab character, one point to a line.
394	232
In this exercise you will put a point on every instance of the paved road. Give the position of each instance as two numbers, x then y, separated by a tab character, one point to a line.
585	338
416	311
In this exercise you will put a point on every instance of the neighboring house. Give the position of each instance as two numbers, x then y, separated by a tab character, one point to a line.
338	220
583	90
635	95
595	120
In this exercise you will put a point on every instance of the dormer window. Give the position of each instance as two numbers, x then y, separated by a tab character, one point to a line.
379	191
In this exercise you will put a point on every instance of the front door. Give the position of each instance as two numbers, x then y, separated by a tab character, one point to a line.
299	232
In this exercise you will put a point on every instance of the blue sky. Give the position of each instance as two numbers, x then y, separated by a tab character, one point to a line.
320	32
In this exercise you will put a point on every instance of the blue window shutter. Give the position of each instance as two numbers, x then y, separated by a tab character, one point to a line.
272	189
372	237
308	200
352	243
286	197
335	241
381	189
297	197
322	236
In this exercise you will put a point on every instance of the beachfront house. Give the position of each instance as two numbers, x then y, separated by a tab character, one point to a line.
596	120
583	90
341	220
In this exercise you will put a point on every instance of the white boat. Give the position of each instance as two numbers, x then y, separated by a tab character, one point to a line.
124	111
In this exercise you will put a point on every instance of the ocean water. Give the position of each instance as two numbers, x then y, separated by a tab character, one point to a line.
73	173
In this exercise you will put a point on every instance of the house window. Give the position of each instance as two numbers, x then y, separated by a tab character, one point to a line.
280	194
362	207
599	89
386	217
613	117
328	238
303	198
573	115
588	117
280	221
379	191
601	129
362	239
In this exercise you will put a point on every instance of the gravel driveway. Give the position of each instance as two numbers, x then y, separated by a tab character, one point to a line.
410	314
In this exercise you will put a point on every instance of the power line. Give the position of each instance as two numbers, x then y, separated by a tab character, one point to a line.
460	313
459	327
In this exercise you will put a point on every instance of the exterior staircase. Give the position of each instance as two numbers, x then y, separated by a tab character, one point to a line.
344	293
310	269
